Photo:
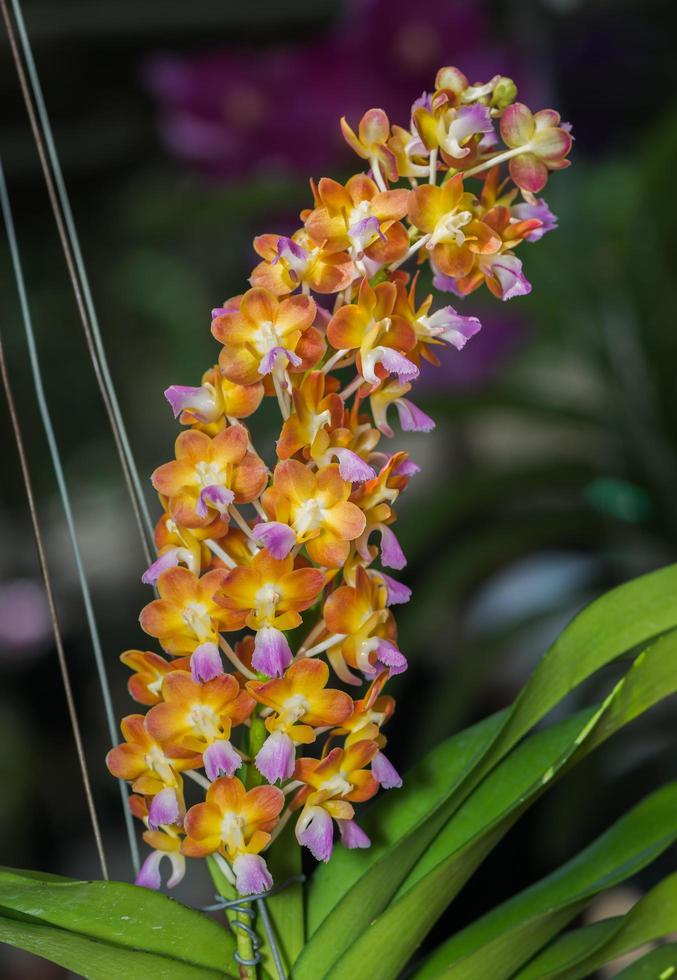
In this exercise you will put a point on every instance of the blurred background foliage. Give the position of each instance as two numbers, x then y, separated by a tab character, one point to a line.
183	130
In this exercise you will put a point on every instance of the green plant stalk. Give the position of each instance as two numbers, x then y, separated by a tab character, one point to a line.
257	736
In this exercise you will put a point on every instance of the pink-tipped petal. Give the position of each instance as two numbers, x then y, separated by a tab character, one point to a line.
397	593
392	555
276	757
251	874
200	401
149	872
507	271
169	559
164	809
205	663
278	539
407	468
220	759
392	658
412	418
394	363
352	835
352	468
384	772
448	325
220	498
271	654
541	212
314	830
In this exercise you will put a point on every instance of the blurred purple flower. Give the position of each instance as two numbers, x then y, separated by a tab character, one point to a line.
236	112
502	336
25	625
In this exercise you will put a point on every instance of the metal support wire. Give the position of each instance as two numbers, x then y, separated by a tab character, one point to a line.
242	906
5	207
58	642
63	216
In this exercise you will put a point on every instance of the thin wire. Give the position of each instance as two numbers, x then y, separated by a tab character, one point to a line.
44	569
65	498
242	905
63	217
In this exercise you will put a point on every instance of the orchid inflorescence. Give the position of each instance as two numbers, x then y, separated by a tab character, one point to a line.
246	555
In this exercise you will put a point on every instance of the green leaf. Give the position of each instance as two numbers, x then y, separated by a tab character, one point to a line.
385	943
579	953
116	915
95	959
396	813
355	887
659	964
504	939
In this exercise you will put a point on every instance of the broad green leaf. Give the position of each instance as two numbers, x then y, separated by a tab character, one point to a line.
355	888
579	953
397	812
501	941
659	964
119	914
385	943
95	959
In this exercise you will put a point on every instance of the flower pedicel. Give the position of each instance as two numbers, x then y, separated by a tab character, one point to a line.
332	329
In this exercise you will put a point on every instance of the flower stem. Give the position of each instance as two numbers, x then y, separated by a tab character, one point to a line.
257	736
245	948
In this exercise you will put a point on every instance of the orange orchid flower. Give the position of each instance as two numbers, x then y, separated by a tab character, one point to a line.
360	219
371	141
210	474
375	498
187	613
270	592
360	615
331	786
456	235
323	428
264	334
373	329
199	717
301	702
145	684
299	260
217	399
316	507
235	823
145	763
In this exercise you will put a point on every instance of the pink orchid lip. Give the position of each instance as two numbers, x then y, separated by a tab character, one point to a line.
352	835
149	875
397	593
412	418
276	757
220	759
206	663
315	831
220	498
169	559
277	538
384	772
165	808
201	401
271	654
392	555
352	467
252	876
